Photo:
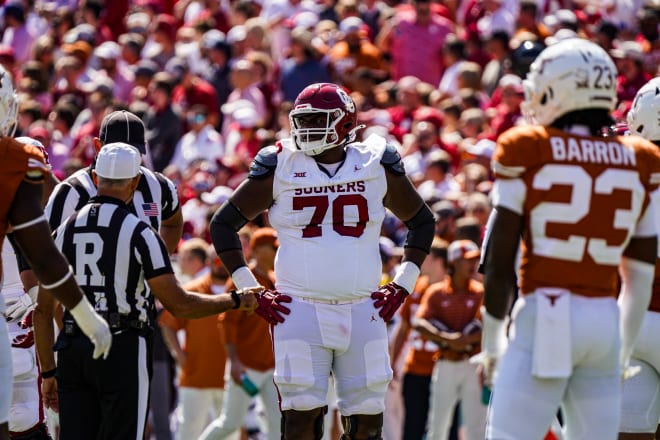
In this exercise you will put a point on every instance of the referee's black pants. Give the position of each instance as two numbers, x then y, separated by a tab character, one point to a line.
103	399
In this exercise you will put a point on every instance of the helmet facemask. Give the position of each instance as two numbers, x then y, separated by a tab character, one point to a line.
315	130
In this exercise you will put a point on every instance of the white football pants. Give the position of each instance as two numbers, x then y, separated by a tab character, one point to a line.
523	407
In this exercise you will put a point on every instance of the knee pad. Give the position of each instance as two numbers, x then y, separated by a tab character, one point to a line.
303	424
362	427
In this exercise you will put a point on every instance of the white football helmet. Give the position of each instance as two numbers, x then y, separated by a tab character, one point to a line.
573	74
8	104
644	114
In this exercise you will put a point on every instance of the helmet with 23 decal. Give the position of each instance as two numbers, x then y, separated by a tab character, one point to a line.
644	115
324	116
8	104
573	74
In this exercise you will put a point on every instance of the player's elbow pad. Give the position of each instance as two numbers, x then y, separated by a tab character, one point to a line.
225	225
421	228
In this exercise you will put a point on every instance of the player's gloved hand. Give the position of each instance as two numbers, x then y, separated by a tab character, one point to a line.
94	327
18	306
388	299
493	345
270	307
23	341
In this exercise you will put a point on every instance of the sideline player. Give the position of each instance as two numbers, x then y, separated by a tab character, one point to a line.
326	196
641	393
579	201
23	170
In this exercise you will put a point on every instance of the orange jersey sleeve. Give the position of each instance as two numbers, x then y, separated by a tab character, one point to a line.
18	162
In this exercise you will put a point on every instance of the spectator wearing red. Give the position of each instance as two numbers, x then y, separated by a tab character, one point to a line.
263	70
92	14
164	34
243	141
191	90
629	58
83	144
414	42
243	79
408	100
508	112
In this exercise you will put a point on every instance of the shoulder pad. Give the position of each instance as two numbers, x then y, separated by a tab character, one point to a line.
391	160
264	162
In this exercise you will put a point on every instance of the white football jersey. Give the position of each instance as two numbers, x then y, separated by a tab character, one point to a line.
328	227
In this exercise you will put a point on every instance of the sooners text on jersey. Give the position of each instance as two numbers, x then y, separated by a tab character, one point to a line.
328	227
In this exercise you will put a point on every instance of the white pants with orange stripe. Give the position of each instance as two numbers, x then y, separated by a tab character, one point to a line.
523	407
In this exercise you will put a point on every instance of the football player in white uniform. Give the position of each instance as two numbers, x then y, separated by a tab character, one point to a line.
580	202
26	415
641	393
326	196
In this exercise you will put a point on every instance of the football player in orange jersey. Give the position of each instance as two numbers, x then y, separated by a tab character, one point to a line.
579	200
641	393
23	171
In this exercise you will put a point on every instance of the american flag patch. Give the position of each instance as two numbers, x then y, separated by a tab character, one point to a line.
150	209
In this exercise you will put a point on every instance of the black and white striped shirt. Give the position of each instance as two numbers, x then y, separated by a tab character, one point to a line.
113	253
154	200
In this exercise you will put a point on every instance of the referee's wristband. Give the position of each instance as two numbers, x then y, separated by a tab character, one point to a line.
237	299
48	374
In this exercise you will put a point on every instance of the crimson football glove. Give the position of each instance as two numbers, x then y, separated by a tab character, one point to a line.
388	299
270	307
23	341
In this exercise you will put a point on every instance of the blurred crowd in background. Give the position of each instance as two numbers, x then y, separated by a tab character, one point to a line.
214	80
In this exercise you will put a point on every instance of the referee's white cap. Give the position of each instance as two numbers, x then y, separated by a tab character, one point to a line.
118	161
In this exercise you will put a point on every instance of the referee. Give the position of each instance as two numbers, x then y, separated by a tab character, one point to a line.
114	256
155	201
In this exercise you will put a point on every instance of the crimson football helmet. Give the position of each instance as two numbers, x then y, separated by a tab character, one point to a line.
323	117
